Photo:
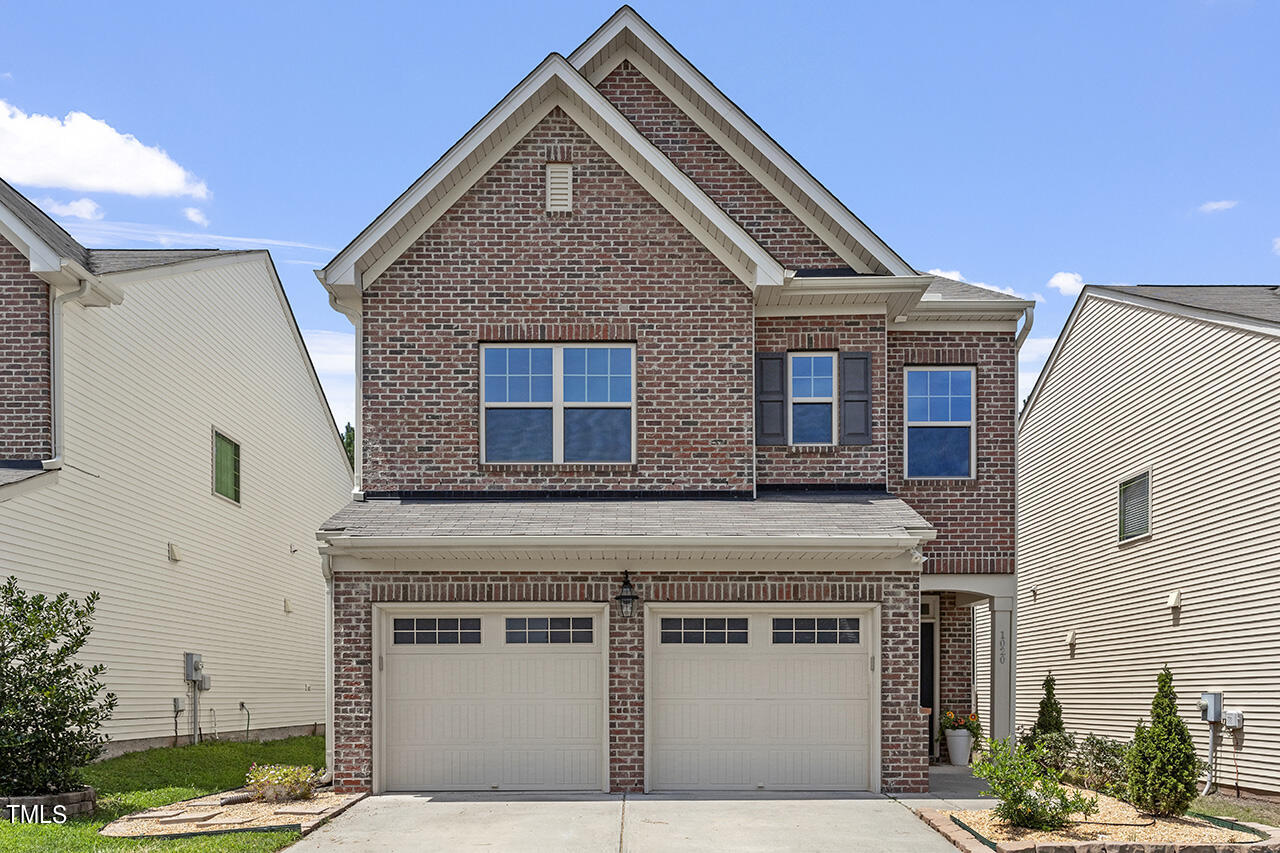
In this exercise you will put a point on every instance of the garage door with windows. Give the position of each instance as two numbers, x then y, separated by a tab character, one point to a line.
777	699
509	699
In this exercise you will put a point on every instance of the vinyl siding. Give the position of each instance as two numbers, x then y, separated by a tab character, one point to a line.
146	383
1199	405
982	662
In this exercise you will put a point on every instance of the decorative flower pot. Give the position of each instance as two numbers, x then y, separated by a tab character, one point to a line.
959	744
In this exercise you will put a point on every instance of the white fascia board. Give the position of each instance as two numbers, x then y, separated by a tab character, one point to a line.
42	257
338	544
1067	328
763	268
627	19
859	284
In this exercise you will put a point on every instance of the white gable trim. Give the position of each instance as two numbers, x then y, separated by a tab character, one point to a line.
43	258
556	83
627	20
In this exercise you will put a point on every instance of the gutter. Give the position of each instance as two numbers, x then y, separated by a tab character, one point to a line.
1028	319
56	359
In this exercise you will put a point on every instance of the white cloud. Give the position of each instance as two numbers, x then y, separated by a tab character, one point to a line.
116	234
196	215
1216	206
956	275
333	354
1069	283
81	208
87	154
1275	245
8	75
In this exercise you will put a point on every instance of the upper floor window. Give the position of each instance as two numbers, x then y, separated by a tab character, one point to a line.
811	414
1135	506
557	403
940	438
226	467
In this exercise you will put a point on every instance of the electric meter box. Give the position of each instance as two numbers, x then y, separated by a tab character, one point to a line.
192	663
1211	707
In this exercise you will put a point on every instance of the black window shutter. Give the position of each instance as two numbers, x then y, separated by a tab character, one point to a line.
855	398
771	398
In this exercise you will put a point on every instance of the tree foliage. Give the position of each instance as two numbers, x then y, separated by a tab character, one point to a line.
349	442
1162	765
52	706
1028	790
1050	717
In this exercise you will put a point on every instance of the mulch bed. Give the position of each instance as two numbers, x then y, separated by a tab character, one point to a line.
206	815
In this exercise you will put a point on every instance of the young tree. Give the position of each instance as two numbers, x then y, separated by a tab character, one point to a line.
1161	764
1049	719
52	706
349	442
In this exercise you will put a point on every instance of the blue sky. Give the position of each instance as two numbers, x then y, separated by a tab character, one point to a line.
1028	146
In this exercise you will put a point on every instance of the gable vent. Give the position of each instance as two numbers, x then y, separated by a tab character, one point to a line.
559	187
1135	507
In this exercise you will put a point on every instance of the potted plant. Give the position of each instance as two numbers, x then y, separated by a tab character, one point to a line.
962	731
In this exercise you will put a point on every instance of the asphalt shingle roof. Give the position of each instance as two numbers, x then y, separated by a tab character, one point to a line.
777	514
1258	302
18	473
950	289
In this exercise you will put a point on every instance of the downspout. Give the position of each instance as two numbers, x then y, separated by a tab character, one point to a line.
56	358
326	568
1028	318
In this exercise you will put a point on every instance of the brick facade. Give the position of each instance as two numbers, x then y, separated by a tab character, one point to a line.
26	402
498	261
974	517
729	185
903	741
847	465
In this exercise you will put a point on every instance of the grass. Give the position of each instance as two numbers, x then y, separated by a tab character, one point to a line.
157	777
1242	808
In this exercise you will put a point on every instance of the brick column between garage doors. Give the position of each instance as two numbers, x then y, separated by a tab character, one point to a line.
903	737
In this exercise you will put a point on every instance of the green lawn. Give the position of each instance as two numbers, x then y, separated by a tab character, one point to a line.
156	777
1228	806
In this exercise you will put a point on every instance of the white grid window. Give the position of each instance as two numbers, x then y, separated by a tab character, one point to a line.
811	403
557	403
941	442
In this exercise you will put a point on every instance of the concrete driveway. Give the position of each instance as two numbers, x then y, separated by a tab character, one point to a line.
635	823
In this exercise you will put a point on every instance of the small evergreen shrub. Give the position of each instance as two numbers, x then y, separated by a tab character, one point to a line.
1100	765
52	706
1049	718
275	783
1057	750
1161	763
1029	792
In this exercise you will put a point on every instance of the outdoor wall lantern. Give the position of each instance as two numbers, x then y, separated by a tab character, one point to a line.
627	598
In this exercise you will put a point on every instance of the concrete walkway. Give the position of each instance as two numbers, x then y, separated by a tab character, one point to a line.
950	788
635	823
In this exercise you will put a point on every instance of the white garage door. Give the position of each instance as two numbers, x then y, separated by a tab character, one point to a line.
776	700
499	700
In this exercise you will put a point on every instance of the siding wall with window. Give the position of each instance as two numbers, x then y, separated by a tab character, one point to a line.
147	382
1198	406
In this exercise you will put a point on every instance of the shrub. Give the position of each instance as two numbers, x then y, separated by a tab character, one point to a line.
1161	763
1056	750
1049	719
1100	763
52	706
1029	792
276	783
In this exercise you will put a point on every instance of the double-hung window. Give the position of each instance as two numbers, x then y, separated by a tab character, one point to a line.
940	439
557	403
811	412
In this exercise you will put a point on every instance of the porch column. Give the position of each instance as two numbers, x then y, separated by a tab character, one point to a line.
1001	723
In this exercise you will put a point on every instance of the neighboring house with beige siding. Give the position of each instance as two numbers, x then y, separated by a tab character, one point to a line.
164	441
1149	514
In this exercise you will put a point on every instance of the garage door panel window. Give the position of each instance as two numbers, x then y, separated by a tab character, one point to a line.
703	630
436	632
816	630
550	629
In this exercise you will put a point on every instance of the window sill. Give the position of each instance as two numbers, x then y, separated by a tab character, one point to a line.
808	449
1133	540
554	467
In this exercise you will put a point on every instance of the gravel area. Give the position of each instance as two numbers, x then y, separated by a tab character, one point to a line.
1114	821
251	815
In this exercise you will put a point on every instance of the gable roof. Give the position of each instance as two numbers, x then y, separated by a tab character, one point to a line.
1254	302
1255	308
554	83
627	36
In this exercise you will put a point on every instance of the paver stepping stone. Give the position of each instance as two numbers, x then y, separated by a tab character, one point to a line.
191	817
160	814
225	821
302	810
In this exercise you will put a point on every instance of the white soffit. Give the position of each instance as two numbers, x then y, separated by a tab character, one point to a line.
554	83
627	36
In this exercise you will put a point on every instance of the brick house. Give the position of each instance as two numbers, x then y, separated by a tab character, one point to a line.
616	342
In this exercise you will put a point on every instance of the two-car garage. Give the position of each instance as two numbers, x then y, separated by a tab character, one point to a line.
514	697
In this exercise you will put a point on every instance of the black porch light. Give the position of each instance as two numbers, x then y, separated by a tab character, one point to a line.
627	598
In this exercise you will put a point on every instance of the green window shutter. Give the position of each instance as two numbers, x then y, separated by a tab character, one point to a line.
226	467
